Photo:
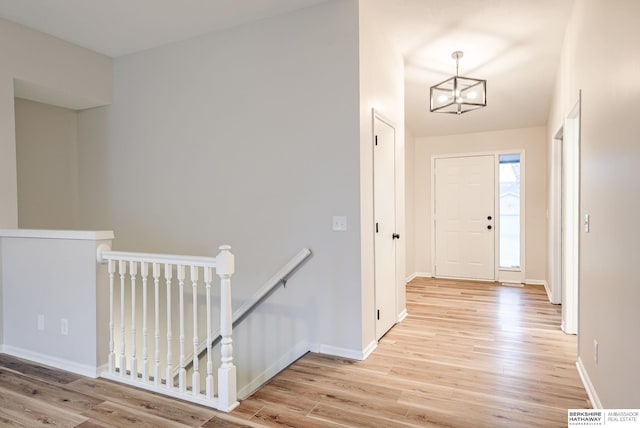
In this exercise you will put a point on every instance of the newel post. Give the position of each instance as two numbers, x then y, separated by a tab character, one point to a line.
227	389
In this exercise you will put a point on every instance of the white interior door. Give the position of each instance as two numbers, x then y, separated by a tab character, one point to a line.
571	221
464	217
385	223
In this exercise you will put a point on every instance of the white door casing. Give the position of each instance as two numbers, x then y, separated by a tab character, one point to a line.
555	220
385	225
464	217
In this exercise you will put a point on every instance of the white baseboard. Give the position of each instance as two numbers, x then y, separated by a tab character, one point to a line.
418	275
402	315
588	386
348	353
411	277
541	282
548	290
283	362
48	360
297	352
369	349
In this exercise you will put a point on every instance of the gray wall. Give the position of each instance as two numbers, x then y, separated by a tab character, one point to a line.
42	68
600	56
54	274
248	137
47	158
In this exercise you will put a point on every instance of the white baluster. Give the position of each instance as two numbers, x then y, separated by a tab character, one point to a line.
112	354
168	274
144	272
195	378
122	268
209	381
182	372
156	283
133	366
227	391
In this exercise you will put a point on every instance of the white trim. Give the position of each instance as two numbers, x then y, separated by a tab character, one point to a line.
376	114
555	220
588	386
48	360
282	363
547	288
459	278
549	293
509	275
348	353
84	235
402	315
369	349
419	275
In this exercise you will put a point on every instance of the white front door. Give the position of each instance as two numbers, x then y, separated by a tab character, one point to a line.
384	200
464	217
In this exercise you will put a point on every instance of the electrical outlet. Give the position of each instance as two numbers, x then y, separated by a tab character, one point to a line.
595	351
41	322
64	327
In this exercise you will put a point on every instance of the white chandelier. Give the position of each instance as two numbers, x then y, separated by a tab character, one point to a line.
458	94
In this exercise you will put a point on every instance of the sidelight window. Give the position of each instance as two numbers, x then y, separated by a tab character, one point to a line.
509	177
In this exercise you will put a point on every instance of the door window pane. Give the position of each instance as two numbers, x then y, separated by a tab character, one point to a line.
509	211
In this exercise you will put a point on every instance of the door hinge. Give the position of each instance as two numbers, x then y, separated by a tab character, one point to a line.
378	314
376	227
376	139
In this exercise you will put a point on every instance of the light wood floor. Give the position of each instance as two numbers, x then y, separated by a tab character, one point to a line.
468	355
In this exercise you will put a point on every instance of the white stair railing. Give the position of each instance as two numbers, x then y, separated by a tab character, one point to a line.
280	277
124	362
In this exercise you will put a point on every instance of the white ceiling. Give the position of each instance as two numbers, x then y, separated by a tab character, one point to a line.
120	27
513	44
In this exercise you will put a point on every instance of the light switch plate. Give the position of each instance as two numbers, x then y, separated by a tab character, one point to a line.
339	223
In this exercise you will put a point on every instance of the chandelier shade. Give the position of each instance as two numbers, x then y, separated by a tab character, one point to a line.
458	94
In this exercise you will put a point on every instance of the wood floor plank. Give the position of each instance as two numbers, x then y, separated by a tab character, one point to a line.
171	409
118	415
30	412
217	422
468	354
37	371
355	419
49	393
278	416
